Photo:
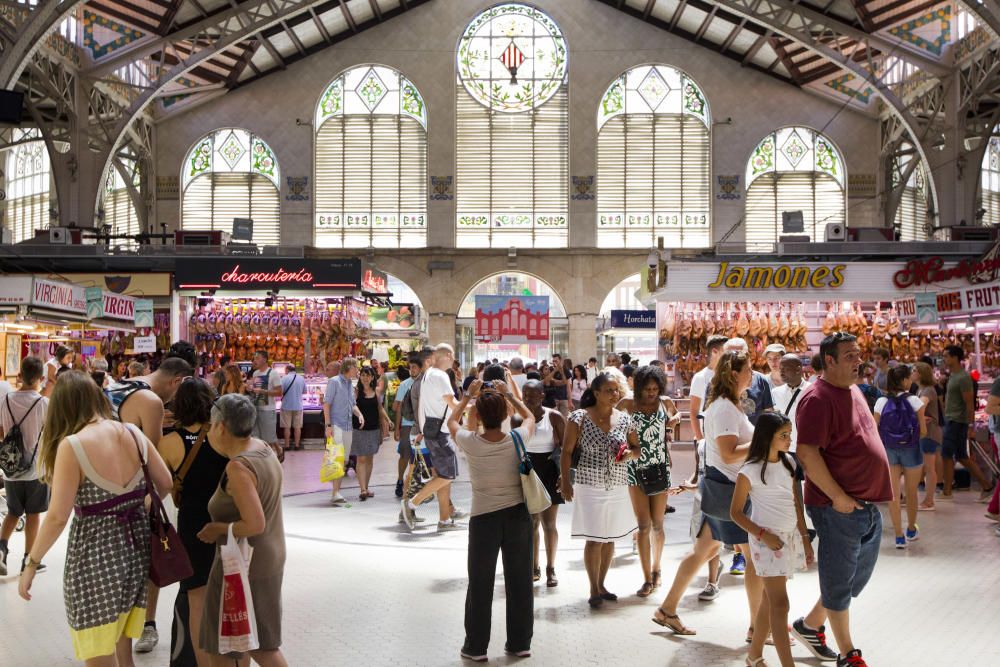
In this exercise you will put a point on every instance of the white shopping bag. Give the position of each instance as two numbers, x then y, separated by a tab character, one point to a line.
237	622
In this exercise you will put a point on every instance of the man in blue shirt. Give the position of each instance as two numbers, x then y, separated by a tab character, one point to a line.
404	425
293	386
338	406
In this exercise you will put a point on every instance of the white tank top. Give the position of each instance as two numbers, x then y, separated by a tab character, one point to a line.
542	442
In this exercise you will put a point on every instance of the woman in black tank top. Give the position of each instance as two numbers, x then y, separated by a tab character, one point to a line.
192	411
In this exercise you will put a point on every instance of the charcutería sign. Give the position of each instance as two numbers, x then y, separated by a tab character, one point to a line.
927	271
780	276
264	273
279	276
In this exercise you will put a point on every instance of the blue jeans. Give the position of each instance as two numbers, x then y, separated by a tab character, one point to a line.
928	446
848	551
907	457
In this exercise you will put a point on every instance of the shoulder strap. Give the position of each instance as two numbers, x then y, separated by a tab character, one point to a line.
294	378
792	402
25	415
191	456
518	444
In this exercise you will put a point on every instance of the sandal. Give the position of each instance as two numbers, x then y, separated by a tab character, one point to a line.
672	622
646	590
610	597
657	579
770	640
536	574
756	662
595	601
363	496
550	577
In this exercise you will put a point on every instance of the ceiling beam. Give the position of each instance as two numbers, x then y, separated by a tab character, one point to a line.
270	49
295	38
244	62
375	9
347	16
911	13
116	11
677	14
319	26
648	10
704	24
732	35
864	16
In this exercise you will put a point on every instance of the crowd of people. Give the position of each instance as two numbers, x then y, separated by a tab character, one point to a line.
801	454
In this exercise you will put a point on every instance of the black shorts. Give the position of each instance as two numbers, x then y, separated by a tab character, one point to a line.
548	472
26	497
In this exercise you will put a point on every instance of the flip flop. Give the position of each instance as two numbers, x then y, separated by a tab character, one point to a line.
673	623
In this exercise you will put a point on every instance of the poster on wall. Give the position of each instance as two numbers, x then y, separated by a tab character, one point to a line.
12	355
396	317
512	319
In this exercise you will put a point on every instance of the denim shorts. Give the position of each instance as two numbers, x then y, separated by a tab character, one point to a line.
847	553
908	457
928	446
955	443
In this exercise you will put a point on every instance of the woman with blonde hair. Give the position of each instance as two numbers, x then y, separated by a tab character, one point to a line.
232	381
728	432
930	443
94	466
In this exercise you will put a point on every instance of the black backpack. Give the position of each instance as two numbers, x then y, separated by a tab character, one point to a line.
12	459
408	406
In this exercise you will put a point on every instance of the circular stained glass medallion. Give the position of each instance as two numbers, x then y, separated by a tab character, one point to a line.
512	58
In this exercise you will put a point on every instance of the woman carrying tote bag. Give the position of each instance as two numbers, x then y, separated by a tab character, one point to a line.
500	520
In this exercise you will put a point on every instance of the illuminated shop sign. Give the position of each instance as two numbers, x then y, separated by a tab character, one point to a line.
778	276
919	272
261	274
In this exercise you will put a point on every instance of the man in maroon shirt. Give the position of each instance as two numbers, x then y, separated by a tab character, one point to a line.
846	473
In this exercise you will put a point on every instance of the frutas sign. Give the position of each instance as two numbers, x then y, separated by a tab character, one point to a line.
778	276
978	299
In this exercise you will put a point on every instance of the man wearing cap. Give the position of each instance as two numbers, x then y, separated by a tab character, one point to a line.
773	353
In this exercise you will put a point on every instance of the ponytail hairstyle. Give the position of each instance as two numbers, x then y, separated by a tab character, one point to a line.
768	424
898	379
724	381
589	397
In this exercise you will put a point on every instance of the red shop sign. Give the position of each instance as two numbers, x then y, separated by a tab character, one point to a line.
928	271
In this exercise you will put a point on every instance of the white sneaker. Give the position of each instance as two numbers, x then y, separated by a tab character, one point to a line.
416	519
986	495
448	526
711	592
458	513
337	499
148	641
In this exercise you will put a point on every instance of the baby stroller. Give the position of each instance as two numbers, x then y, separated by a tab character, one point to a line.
3	507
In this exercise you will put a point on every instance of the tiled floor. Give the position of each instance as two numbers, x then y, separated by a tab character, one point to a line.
359	590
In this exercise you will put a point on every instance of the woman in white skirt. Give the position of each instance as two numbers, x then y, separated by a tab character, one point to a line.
602	512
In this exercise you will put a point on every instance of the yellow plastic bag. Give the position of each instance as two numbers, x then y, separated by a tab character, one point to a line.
333	462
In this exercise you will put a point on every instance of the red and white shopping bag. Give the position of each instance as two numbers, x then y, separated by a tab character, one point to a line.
237	622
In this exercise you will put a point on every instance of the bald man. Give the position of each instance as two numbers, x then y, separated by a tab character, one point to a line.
787	396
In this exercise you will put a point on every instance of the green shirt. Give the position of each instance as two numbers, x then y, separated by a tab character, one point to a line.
955	409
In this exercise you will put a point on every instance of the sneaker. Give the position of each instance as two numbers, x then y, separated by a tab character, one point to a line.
399	489
739	566
3	561
416	519
448	526
148	641
458	513
814	640
710	593
852	659
913	535
900	542
986	495
407	514
337	499
993	516
524	653
473	656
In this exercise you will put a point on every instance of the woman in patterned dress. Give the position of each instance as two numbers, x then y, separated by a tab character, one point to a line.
652	415
93	466
602	512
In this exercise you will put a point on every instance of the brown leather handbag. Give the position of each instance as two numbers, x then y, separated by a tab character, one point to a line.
168	559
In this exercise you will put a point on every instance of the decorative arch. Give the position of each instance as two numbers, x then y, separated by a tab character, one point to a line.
654	160
794	169
513	283
370	161
232	173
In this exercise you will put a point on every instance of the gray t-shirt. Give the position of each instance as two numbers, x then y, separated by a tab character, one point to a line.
493	471
31	427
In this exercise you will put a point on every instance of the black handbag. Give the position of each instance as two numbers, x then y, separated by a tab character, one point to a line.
654	479
434	425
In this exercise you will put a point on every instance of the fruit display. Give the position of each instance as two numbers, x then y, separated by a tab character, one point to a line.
392	317
297	331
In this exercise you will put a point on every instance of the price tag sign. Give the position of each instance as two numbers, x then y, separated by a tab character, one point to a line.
145	344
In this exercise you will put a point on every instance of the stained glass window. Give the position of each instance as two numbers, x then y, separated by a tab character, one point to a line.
911	214
119	210
371	161
990	182
27	181
794	169
512	154
654	161
228	174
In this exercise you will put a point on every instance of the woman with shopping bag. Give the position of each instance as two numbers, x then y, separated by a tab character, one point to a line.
501	521
242	612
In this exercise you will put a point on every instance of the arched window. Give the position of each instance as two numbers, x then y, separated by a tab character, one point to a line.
119	212
654	161
27	176
512	140
990	183
911	216
371	161
228	174
793	170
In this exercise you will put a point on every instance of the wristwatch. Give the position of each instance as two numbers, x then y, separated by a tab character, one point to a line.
31	563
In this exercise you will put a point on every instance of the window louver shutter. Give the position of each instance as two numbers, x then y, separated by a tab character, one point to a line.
818	196
213	200
653	175
121	215
911	215
510	165
26	214
371	171
989	188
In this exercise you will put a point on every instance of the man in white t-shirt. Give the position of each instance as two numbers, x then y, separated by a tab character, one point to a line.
699	388
786	397
591	370
436	400
517	372
27	496
264	387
